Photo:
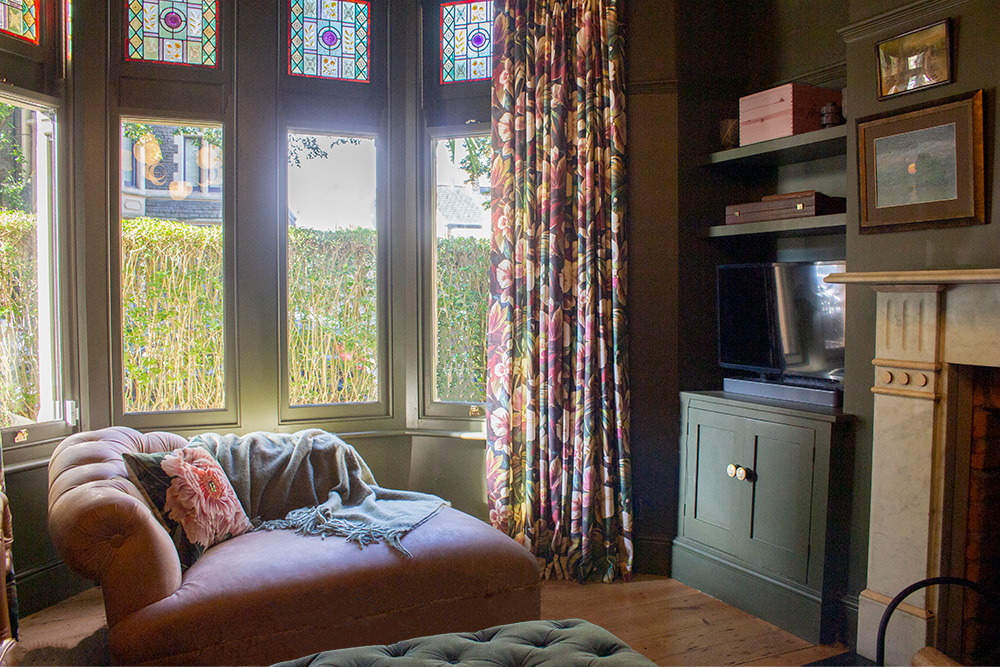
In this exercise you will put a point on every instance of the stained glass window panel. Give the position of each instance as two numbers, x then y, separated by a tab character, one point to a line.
180	32
328	39
466	41
20	18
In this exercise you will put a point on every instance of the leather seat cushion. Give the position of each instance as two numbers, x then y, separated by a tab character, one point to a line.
269	596
570	643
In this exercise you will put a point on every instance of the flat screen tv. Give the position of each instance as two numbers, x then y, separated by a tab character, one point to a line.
781	322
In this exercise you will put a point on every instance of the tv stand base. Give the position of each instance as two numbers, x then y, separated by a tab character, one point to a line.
830	398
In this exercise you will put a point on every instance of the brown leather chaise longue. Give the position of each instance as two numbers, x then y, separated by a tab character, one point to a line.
267	596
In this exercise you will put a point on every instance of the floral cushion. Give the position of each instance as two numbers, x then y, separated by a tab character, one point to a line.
191	496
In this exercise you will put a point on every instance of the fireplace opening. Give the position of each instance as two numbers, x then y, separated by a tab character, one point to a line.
980	618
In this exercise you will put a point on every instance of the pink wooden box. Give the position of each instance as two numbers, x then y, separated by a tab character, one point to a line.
790	109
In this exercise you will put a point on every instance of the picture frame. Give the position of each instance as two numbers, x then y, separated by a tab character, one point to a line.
922	167
915	60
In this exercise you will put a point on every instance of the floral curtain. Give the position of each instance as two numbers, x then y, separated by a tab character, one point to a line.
557	393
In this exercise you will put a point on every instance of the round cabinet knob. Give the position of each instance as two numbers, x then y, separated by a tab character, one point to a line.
741	473
731	470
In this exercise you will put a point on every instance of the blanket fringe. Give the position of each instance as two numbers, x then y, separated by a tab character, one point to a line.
313	521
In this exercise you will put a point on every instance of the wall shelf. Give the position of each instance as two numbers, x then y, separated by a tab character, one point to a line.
785	150
835	223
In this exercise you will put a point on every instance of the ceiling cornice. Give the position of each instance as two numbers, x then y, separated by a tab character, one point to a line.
899	18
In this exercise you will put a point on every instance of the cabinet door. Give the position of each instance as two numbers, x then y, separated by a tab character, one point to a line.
778	497
712	498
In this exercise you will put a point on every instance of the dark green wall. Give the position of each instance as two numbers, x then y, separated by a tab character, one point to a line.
651	110
453	468
688	64
42	578
725	50
976	23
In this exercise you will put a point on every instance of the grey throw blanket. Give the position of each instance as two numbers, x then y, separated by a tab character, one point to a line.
316	484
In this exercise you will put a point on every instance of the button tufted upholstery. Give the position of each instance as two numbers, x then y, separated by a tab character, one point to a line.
268	596
570	643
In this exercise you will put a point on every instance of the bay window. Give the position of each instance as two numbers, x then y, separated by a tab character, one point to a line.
302	239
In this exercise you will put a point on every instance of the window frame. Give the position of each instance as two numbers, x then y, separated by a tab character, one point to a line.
286	41
171	93
353	99
33	66
307	104
187	141
469	415
339	412
453	102
60	230
133	181
39	5
199	184
218	41
440	49
229	413
449	109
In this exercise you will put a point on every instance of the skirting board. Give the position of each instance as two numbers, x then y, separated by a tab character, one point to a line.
799	611
46	586
652	556
847	621
783	392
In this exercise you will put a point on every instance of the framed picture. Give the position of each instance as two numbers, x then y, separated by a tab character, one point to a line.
923	167
915	60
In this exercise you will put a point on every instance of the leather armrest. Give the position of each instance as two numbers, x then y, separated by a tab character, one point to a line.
102	526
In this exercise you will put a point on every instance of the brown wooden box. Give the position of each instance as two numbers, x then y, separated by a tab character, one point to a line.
779	207
783	111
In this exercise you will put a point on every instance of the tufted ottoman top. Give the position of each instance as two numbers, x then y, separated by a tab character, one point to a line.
570	643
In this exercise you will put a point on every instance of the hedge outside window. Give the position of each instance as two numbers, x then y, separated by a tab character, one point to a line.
461	231
332	313
173	352
30	390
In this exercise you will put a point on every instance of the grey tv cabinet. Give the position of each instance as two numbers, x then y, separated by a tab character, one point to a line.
764	507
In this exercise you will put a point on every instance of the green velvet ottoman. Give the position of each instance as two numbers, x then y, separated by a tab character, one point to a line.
570	643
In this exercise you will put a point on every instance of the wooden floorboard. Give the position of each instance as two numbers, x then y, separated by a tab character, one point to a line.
673	624
668	622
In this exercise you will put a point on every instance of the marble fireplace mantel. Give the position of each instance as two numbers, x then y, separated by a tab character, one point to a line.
929	325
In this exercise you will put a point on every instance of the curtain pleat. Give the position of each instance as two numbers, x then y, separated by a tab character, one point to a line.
558	470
